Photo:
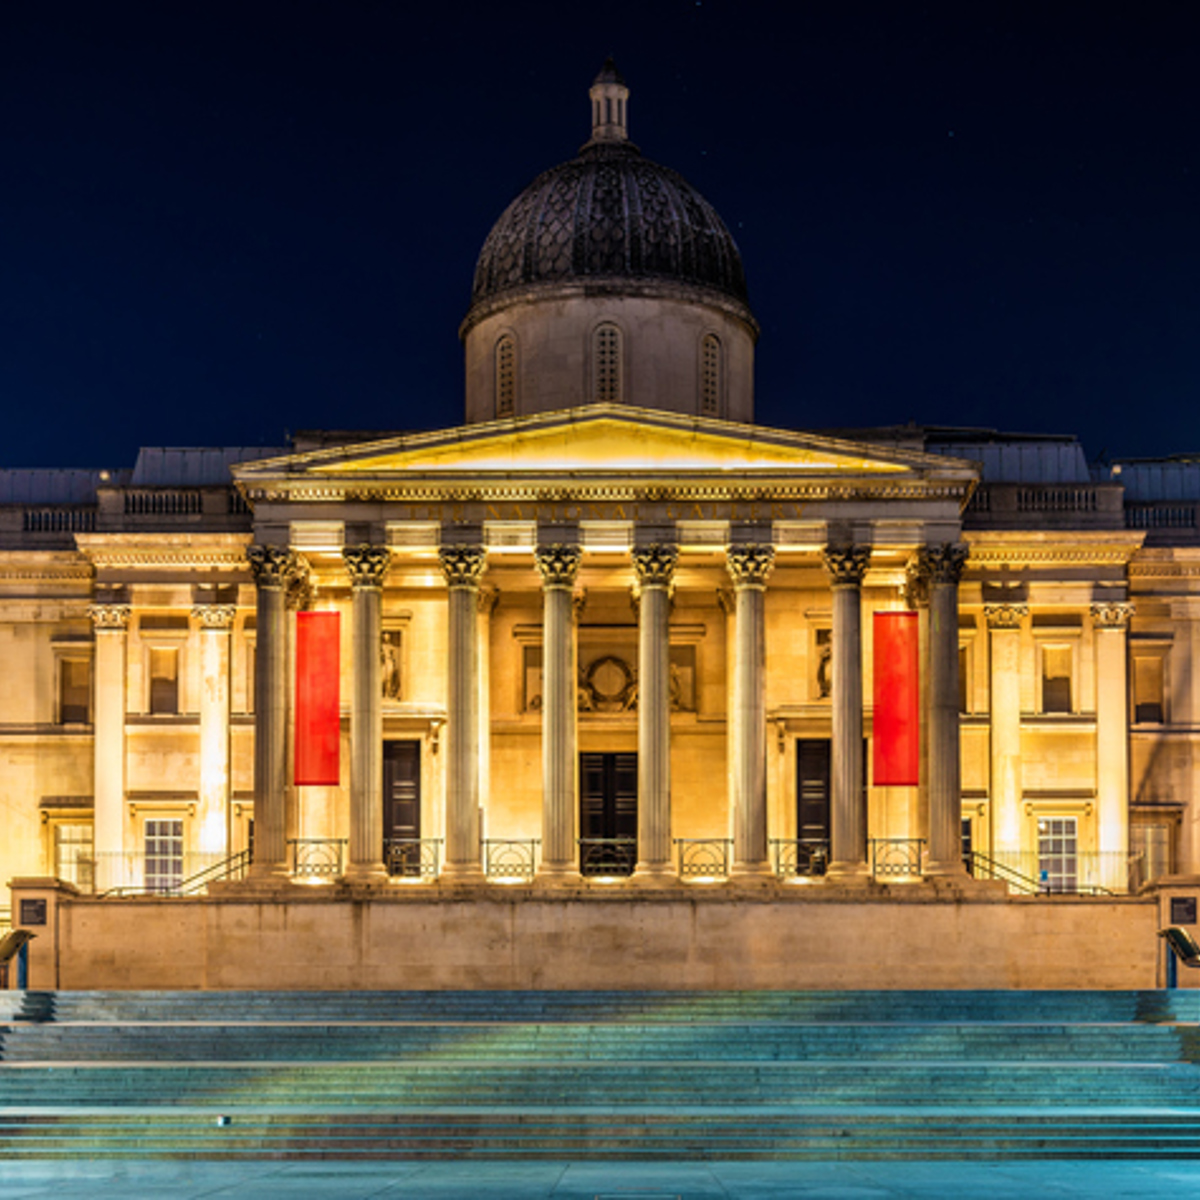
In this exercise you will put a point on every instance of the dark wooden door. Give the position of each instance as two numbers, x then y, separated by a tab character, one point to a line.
402	806
812	790
608	813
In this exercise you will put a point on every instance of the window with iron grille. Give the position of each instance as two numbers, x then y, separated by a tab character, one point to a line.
506	376
710	376
607	364
164	853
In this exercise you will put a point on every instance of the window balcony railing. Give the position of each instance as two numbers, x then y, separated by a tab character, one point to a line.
607	858
703	858
510	859
799	858
316	858
896	858
412	858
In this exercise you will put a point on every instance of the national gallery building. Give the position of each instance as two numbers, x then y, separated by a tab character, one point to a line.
607	635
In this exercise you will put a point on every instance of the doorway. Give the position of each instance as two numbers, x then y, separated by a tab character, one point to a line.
607	814
402	808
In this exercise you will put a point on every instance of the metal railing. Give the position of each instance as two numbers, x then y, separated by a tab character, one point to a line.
510	858
896	858
1086	873
607	857
235	866
800	857
316	858
703	858
412	858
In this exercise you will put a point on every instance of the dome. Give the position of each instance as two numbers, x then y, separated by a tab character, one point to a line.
609	216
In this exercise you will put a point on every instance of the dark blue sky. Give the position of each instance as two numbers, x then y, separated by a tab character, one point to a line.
219	222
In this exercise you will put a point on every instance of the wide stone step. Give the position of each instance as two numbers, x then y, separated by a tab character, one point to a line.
614	1007
507	1043
839	1135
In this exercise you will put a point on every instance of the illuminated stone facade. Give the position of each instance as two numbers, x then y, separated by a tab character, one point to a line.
608	633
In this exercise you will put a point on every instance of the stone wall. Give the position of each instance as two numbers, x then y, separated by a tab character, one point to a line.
790	937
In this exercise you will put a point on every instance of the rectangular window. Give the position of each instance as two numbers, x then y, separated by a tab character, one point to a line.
164	680
532	679
1148	690
1056	679
1058	854
1152	845
164	854
74	691
73	857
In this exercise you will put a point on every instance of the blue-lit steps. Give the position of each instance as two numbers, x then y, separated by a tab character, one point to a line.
575	1075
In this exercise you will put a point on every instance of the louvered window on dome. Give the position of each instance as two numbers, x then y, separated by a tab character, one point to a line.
710	376
606	356
506	376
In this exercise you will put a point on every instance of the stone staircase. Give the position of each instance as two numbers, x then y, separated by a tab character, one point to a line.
585	1075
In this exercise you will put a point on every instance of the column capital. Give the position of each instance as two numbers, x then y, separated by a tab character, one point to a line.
462	565
487	599
110	617
558	564
944	562
749	565
846	564
655	564
1112	614
272	566
367	565
1005	616
214	616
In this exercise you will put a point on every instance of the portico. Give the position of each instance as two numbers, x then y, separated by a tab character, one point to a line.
604	632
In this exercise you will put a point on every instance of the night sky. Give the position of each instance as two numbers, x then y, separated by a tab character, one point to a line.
220	223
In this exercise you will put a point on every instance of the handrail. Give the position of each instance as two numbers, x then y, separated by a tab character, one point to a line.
233	867
991	869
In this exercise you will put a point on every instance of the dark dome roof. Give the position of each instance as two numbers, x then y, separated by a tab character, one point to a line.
609	214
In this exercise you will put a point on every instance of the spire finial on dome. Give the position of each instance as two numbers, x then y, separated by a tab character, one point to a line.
610	99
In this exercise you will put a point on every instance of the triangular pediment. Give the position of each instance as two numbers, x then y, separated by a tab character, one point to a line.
601	439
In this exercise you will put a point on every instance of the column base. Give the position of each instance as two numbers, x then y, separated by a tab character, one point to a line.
462	873
751	870
654	875
268	870
254	885
558	875
848	872
371	873
951	868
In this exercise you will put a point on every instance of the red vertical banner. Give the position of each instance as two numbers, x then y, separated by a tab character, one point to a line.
318	725
897	700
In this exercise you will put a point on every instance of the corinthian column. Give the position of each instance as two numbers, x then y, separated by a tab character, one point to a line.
1111	623
215	621
275	572
559	566
749	567
462	566
1004	633
111	622
848	835
655	568
944	566
367	566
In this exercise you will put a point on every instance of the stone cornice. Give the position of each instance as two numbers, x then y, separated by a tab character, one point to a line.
108	551
1108	548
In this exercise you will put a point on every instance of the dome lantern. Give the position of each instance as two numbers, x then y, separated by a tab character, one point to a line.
610	105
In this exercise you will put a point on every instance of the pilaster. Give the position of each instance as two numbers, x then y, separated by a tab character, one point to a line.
111	623
1110	620
1004	631
215	621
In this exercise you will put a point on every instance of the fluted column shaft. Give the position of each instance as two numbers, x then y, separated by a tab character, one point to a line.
559	566
944	565
367	566
462	566
655	568
1004	632
215	621
274	572
848	833
111	622
1111	622
749	567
